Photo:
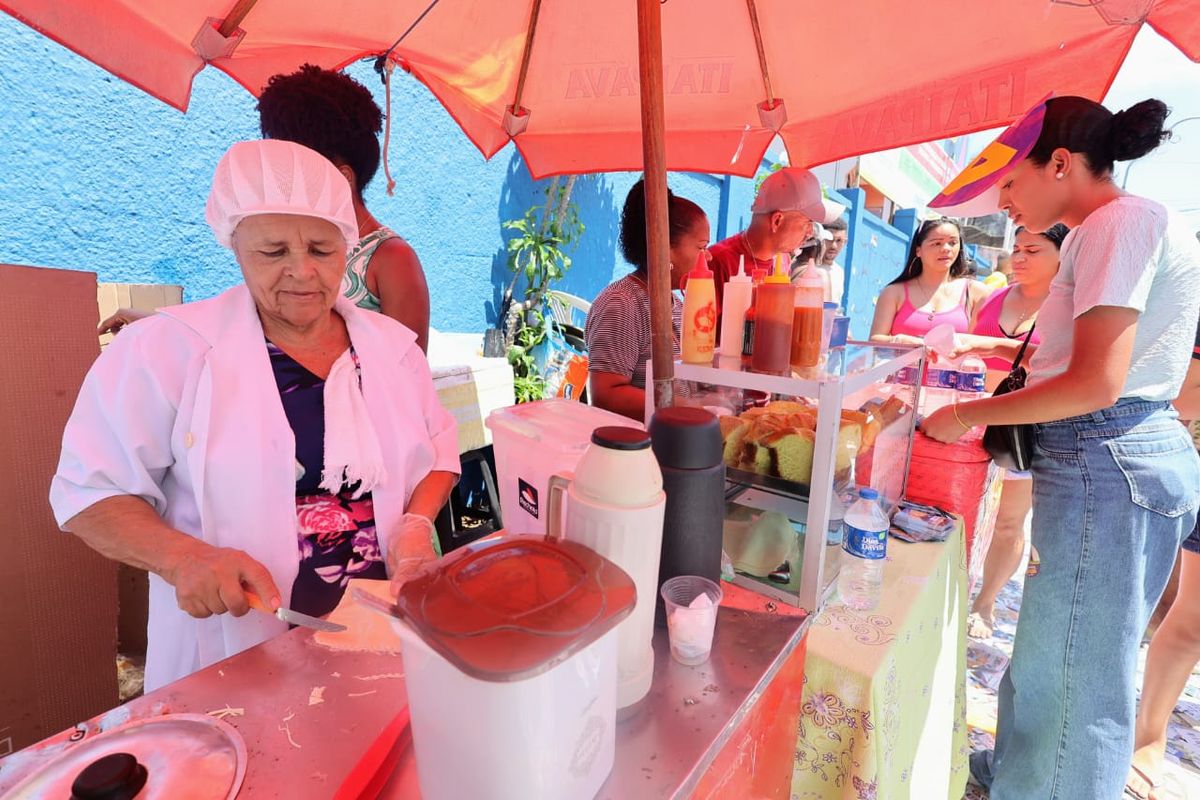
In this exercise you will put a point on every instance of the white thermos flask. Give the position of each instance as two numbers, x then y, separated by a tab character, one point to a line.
614	506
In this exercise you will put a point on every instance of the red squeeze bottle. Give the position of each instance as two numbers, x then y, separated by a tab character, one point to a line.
773	322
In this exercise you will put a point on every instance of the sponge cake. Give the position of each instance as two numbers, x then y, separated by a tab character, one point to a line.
792	457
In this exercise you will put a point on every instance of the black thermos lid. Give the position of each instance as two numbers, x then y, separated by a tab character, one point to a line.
686	437
617	437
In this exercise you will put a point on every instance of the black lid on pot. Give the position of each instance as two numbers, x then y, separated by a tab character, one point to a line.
686	437
117	776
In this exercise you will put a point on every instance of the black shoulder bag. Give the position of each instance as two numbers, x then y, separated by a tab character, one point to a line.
1011	446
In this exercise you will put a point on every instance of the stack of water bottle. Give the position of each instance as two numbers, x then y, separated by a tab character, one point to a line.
946	380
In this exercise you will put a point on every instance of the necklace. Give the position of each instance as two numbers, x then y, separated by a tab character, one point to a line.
931	313
1024	312
749	250
644	281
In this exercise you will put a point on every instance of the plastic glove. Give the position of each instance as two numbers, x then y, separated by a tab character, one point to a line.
410	550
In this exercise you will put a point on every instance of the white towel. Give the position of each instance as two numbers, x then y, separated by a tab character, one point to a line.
352	453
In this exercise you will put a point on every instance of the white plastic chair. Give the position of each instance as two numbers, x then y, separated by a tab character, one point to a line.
563	307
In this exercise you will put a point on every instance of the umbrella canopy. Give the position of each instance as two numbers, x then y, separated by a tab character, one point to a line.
693	85
561	79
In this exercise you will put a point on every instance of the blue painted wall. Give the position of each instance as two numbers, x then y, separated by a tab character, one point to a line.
875	254
97	175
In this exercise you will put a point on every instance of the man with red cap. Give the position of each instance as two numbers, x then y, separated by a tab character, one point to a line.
788	203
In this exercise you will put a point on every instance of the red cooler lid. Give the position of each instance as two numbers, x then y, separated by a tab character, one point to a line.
515	607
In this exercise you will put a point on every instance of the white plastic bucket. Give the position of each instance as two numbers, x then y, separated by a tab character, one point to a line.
550	737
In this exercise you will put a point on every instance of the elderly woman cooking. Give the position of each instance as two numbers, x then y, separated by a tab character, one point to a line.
273	440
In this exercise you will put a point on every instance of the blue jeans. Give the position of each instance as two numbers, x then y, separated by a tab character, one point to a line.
1114	494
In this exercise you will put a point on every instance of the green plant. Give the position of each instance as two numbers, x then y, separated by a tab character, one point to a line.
538	250
538	254
762	176
528	385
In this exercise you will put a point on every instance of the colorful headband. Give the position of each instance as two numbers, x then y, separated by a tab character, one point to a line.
974	192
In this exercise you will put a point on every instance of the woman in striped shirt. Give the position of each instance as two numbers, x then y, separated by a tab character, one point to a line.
618	325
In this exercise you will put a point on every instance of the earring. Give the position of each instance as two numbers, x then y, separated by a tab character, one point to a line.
1058	176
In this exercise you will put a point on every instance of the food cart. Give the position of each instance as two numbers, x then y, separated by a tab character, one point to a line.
690	735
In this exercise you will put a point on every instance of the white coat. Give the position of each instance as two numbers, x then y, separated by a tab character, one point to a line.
183	411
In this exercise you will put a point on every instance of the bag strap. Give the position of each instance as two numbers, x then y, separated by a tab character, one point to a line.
1025	344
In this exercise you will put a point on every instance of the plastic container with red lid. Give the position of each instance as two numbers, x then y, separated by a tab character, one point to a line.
510	656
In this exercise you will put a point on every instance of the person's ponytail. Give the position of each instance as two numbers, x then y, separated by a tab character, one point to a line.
1137	130
1084	126
633	226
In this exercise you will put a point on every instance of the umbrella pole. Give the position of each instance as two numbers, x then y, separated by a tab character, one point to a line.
654	161
235	16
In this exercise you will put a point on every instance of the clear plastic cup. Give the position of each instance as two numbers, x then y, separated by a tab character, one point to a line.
941	339
691	605
830	312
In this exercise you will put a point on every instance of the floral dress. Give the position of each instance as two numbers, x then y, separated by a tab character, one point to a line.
354	283
337	539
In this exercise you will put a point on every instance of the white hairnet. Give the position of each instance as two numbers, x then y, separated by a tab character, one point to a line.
271	176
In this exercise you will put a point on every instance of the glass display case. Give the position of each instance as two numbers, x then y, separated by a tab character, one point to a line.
797	449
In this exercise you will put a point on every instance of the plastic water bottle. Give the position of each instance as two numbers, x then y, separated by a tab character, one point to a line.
938	386
940	380
861	575
837	516
970	381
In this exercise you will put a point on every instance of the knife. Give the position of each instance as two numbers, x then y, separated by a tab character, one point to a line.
294	617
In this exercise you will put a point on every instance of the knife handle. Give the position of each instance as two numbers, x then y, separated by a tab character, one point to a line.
256	603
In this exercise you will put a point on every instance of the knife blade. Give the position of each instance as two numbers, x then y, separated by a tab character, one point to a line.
294	617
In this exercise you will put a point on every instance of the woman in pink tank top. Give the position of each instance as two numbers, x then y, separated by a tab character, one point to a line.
934	289
1009	314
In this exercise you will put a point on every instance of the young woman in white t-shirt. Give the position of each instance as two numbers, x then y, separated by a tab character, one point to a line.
1116	478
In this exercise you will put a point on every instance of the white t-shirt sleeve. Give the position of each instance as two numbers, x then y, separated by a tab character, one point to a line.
1116	260
838	280
118	439
440	424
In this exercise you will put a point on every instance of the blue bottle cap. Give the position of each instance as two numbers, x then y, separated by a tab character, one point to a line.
868	494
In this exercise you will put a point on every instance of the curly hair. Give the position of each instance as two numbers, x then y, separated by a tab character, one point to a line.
327	111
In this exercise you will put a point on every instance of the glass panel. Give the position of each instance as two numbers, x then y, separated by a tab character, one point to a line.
770	454
884	412
768	547
765	546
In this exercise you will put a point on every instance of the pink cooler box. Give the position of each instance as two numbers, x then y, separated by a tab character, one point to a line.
961	478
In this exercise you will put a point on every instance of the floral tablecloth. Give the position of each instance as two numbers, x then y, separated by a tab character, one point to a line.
883	714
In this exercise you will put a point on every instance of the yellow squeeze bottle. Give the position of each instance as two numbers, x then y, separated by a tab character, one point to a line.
699	315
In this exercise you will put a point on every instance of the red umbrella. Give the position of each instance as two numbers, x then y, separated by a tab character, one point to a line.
710	86
834	79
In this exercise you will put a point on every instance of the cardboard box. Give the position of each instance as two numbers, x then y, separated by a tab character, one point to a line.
58	598
469	386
